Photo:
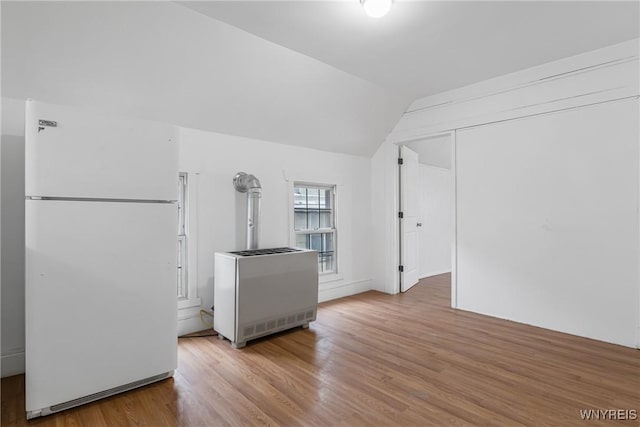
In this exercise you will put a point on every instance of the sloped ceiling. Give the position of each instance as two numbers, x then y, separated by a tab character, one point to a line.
425	47
306	73
162	61
434	151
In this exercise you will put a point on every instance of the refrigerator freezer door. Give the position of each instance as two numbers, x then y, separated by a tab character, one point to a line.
83	155
100	297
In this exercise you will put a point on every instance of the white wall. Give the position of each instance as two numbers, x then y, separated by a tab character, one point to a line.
12	237
436	216
220	209
0	255
384	213
533	243
216	219
548	221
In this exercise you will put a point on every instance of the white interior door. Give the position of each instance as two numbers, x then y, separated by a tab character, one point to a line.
409	206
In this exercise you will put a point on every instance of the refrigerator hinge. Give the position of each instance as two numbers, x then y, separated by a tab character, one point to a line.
401	268
400	215
400	161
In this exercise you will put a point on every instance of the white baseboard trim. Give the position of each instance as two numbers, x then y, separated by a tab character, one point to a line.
12	364
344	290
551	327
191	323
434	273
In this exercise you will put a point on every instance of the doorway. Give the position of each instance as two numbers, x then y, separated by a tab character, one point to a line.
426	209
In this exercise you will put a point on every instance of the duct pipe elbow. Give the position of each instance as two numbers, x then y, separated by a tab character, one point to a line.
244	182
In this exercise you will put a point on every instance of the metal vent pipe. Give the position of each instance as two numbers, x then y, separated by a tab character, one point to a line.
245	183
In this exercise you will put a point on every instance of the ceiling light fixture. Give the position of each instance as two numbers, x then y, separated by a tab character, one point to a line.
376	8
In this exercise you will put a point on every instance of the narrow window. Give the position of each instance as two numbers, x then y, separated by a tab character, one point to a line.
183	286
314	222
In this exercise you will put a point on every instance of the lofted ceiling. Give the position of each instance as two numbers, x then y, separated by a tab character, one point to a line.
433	151
425	47
318	74
165	62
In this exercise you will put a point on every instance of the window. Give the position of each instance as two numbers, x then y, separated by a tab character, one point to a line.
183	287
314	222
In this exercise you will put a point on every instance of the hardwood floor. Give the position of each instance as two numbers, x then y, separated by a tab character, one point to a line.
376	360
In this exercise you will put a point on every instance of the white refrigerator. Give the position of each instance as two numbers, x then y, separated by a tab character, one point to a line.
101	239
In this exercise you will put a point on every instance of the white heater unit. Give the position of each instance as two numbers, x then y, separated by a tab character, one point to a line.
263	291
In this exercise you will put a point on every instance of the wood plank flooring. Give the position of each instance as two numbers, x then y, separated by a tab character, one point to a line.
376	360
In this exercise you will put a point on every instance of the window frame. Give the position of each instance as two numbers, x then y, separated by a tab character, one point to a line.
182	285
327	275
190	268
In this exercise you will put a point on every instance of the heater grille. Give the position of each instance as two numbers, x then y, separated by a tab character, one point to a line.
272	251
270	326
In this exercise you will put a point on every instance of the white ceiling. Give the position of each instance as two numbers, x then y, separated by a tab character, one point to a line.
434	151
306	73
426	47
165	62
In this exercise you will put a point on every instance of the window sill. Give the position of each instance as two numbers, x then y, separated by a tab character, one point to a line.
189	303
329	277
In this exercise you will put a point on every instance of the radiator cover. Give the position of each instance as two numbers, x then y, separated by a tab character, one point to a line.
260	292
